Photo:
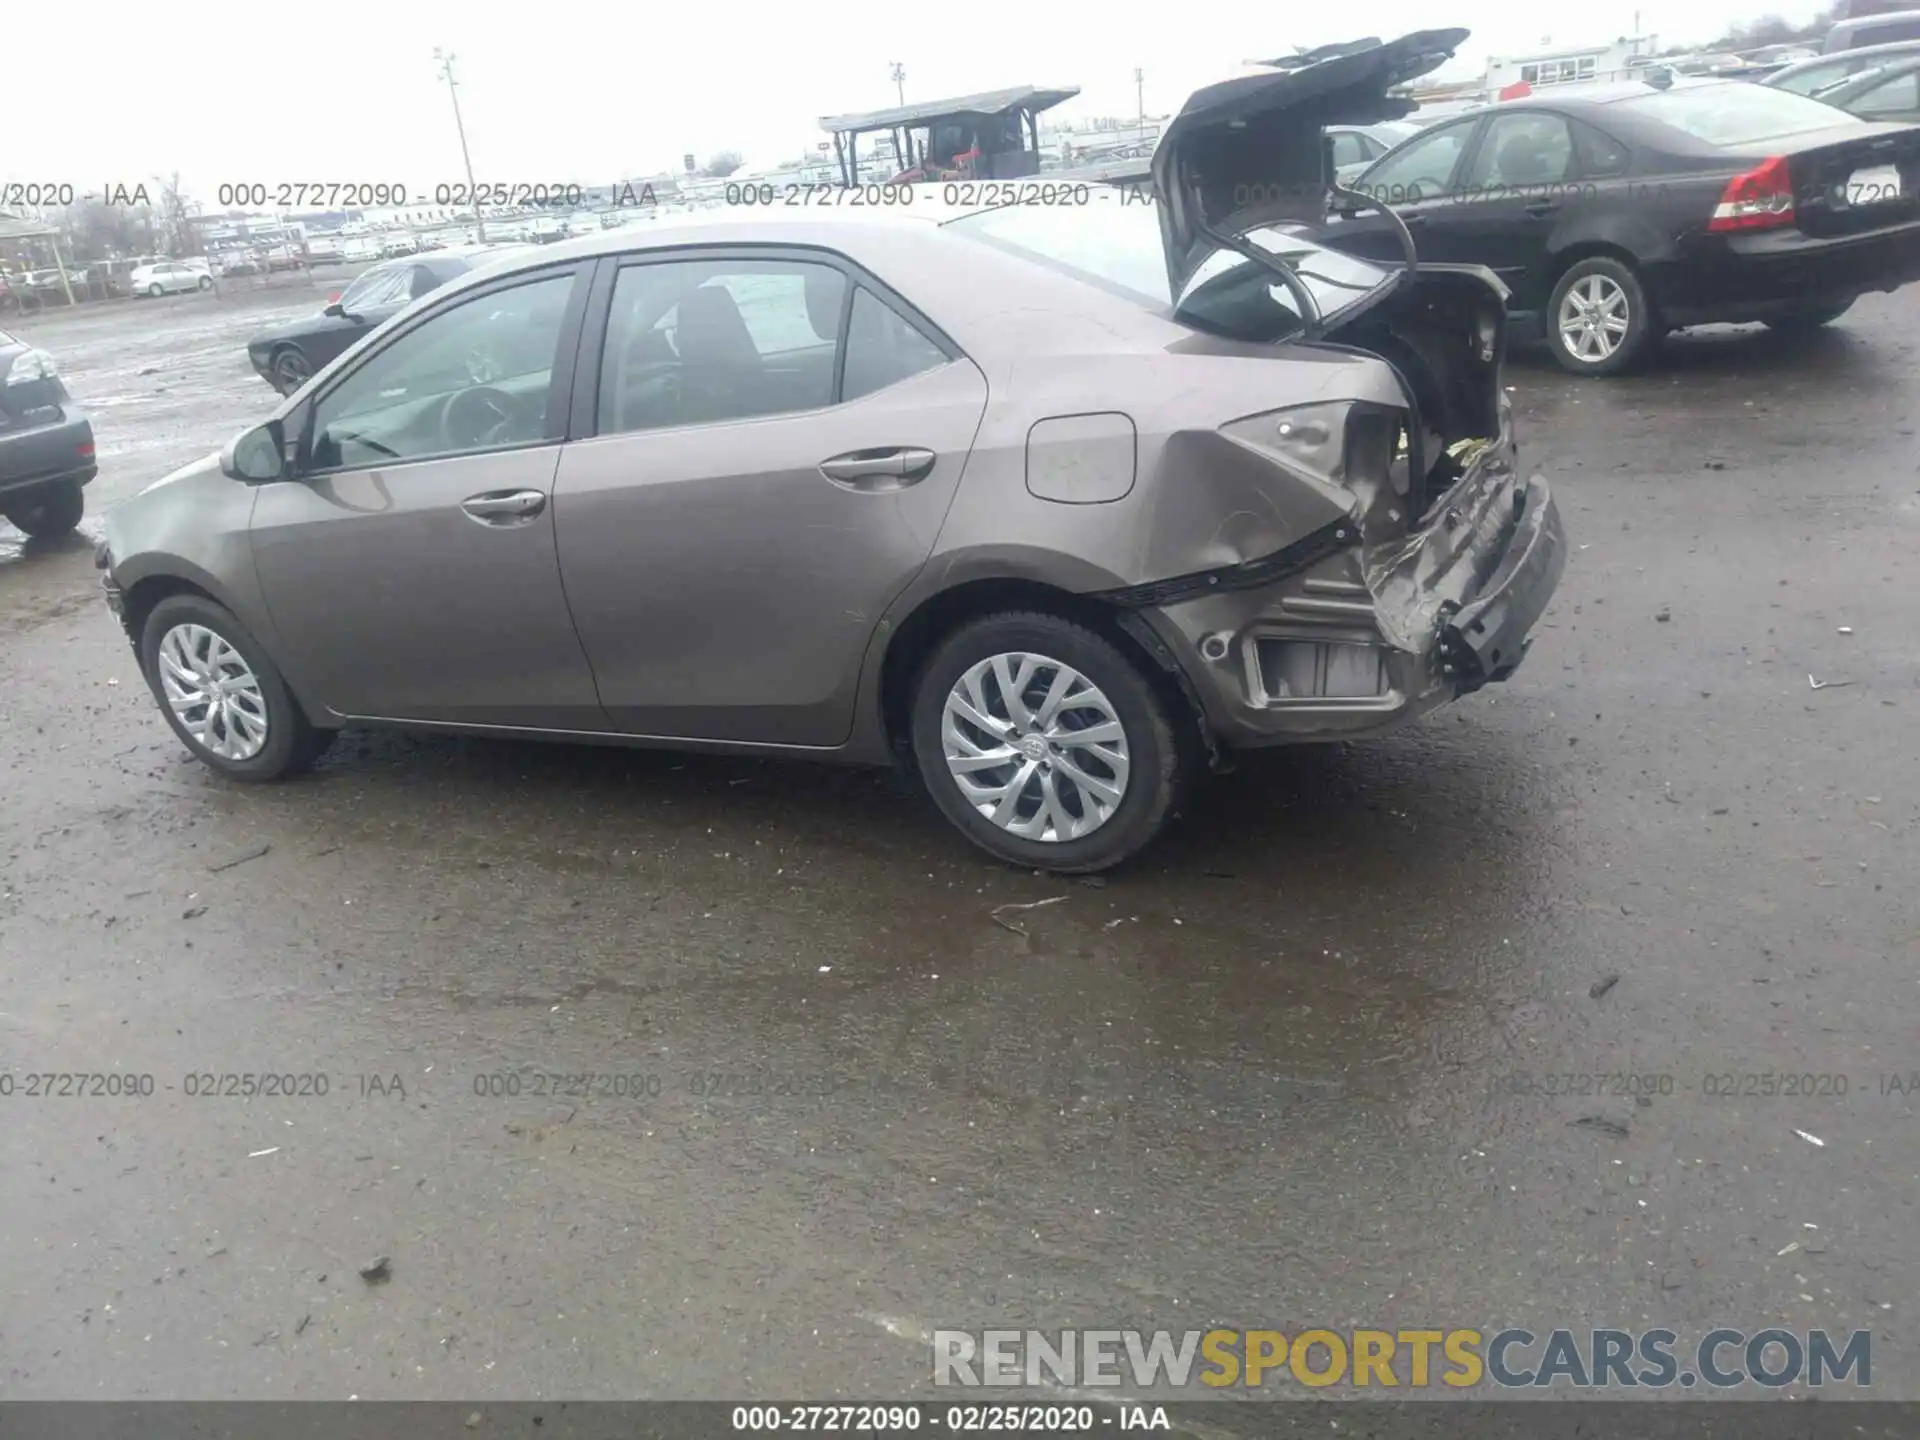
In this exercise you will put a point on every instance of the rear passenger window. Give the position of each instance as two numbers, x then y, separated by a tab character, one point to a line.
1899	96
1350	149
694	342
883	348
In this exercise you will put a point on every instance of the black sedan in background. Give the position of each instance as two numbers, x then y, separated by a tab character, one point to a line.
46	444
1618	213
288	356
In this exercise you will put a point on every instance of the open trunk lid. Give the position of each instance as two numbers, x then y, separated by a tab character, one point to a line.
1250	152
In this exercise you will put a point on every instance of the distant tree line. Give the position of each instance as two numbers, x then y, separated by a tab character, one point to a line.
1774	30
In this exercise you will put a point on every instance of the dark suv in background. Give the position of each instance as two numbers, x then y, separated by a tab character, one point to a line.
46	443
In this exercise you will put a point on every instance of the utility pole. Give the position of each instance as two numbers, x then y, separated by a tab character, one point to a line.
445	60
900	82
1140	94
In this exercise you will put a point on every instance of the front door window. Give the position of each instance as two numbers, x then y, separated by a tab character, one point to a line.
475	376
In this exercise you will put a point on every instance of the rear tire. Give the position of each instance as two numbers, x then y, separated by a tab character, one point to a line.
48	512
1806	322
1599	321
1083	806
197	627
155	290
206	282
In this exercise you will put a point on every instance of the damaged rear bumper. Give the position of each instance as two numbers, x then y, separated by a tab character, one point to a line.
1361	630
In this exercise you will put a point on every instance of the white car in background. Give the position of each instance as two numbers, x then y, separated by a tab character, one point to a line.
170	277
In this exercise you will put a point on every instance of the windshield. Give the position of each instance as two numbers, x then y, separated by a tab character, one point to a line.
1737	113
1114	242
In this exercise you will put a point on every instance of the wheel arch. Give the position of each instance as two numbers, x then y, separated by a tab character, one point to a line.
915	636
144	595
1607	246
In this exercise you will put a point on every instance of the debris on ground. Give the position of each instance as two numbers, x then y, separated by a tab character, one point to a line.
1786	1249
305	1320
1663	614
1000	910
1602	1124
1811	1139
256	1154
193	912
242	858
1603	985
1813	684
379	1272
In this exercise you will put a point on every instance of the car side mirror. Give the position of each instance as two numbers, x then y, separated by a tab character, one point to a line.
336	310
256	456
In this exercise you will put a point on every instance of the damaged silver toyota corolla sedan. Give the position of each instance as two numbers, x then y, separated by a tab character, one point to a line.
1057	503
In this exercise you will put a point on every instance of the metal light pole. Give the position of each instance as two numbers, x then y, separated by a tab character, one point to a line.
900	81
445	59
1140	94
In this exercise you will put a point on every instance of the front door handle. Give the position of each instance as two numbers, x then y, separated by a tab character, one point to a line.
505	507
883	469
1542	207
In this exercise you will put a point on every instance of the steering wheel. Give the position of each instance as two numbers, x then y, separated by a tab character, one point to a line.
478	417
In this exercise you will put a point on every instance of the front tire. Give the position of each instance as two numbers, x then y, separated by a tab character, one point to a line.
1046	745
206	282
222	693
1599	321
290	370
155	290
1807	322
48	512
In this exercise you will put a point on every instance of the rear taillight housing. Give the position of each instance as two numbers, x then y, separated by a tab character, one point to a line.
1759	199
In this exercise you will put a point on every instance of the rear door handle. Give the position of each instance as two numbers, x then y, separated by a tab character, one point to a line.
884	469
1542	207
504	507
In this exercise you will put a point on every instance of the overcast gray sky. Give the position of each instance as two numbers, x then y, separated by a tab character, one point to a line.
568	91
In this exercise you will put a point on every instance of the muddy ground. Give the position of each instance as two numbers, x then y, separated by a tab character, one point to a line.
1298	1068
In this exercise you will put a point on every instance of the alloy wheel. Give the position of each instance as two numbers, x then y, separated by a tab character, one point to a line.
213	692
1035	747
1594	318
